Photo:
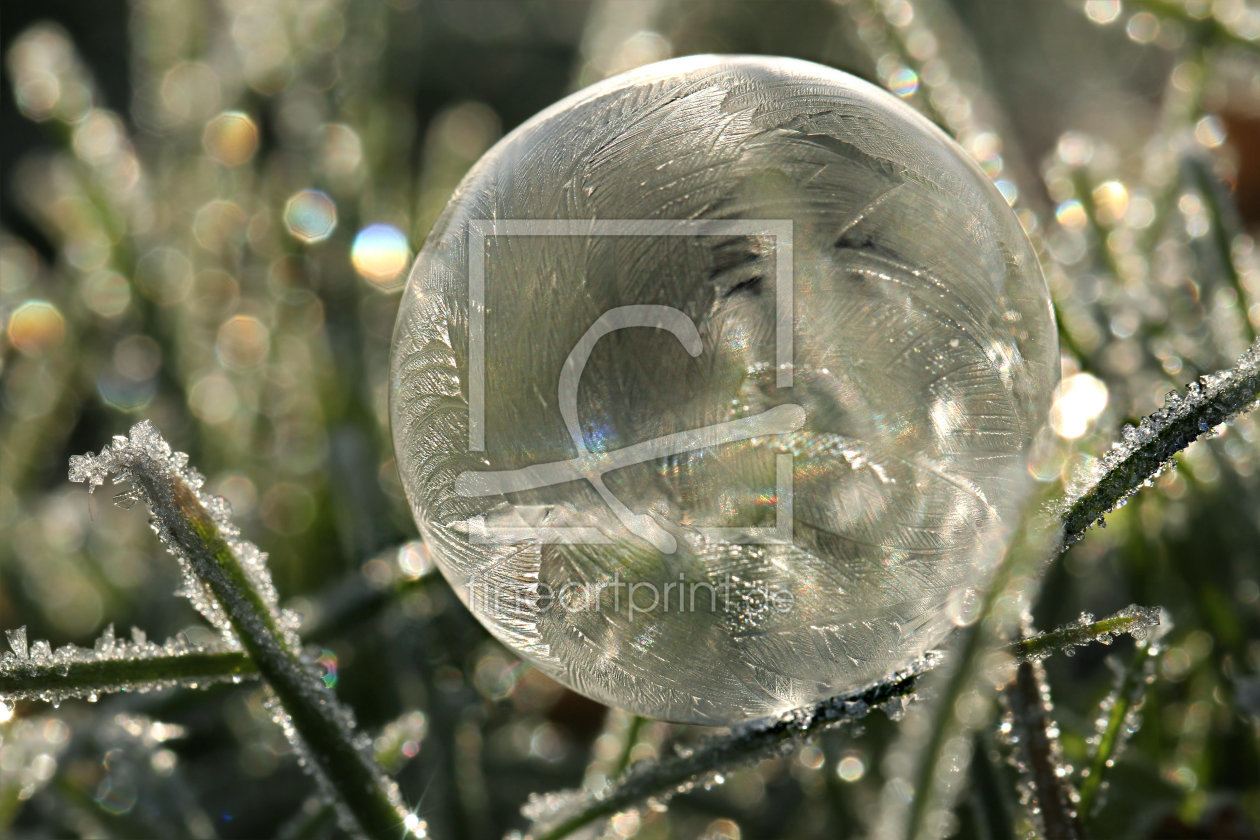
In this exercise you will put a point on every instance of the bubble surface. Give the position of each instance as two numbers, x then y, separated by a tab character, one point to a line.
712	380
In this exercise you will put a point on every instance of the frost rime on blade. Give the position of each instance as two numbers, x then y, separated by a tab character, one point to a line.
227	580
113	665
1146	450
146	453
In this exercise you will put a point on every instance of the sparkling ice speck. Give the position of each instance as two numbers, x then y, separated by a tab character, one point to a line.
713	380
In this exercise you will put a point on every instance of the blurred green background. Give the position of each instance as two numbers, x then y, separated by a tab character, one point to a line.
207	210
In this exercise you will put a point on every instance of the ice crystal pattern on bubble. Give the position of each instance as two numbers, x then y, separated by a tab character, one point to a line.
923	357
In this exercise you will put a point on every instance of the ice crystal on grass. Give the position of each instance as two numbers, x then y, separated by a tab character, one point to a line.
17	642
558	814
114	665
1118	719
1147	450
1133	620
227	579
143	459
1045	787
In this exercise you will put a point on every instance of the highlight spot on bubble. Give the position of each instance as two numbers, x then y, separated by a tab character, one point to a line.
380	253
310	216
231	138
36	326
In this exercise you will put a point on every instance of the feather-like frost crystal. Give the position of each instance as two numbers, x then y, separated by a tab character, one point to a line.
712	380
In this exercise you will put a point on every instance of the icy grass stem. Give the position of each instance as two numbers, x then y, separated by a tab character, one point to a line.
1035	741
926	763
663	779
1148	449
81	672
942	728
1134	620
1115	723
633	730
315	816
1224	229
1083	192
320	724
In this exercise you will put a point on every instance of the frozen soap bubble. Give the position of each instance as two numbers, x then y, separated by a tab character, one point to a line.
713	380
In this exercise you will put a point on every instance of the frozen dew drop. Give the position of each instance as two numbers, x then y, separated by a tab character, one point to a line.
964	605
17	642
414	826
712	381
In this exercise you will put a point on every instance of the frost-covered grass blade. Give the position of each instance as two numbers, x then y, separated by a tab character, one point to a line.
228	581
1133	620
1147	450
112	665
1117	720
558	815
1048	793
